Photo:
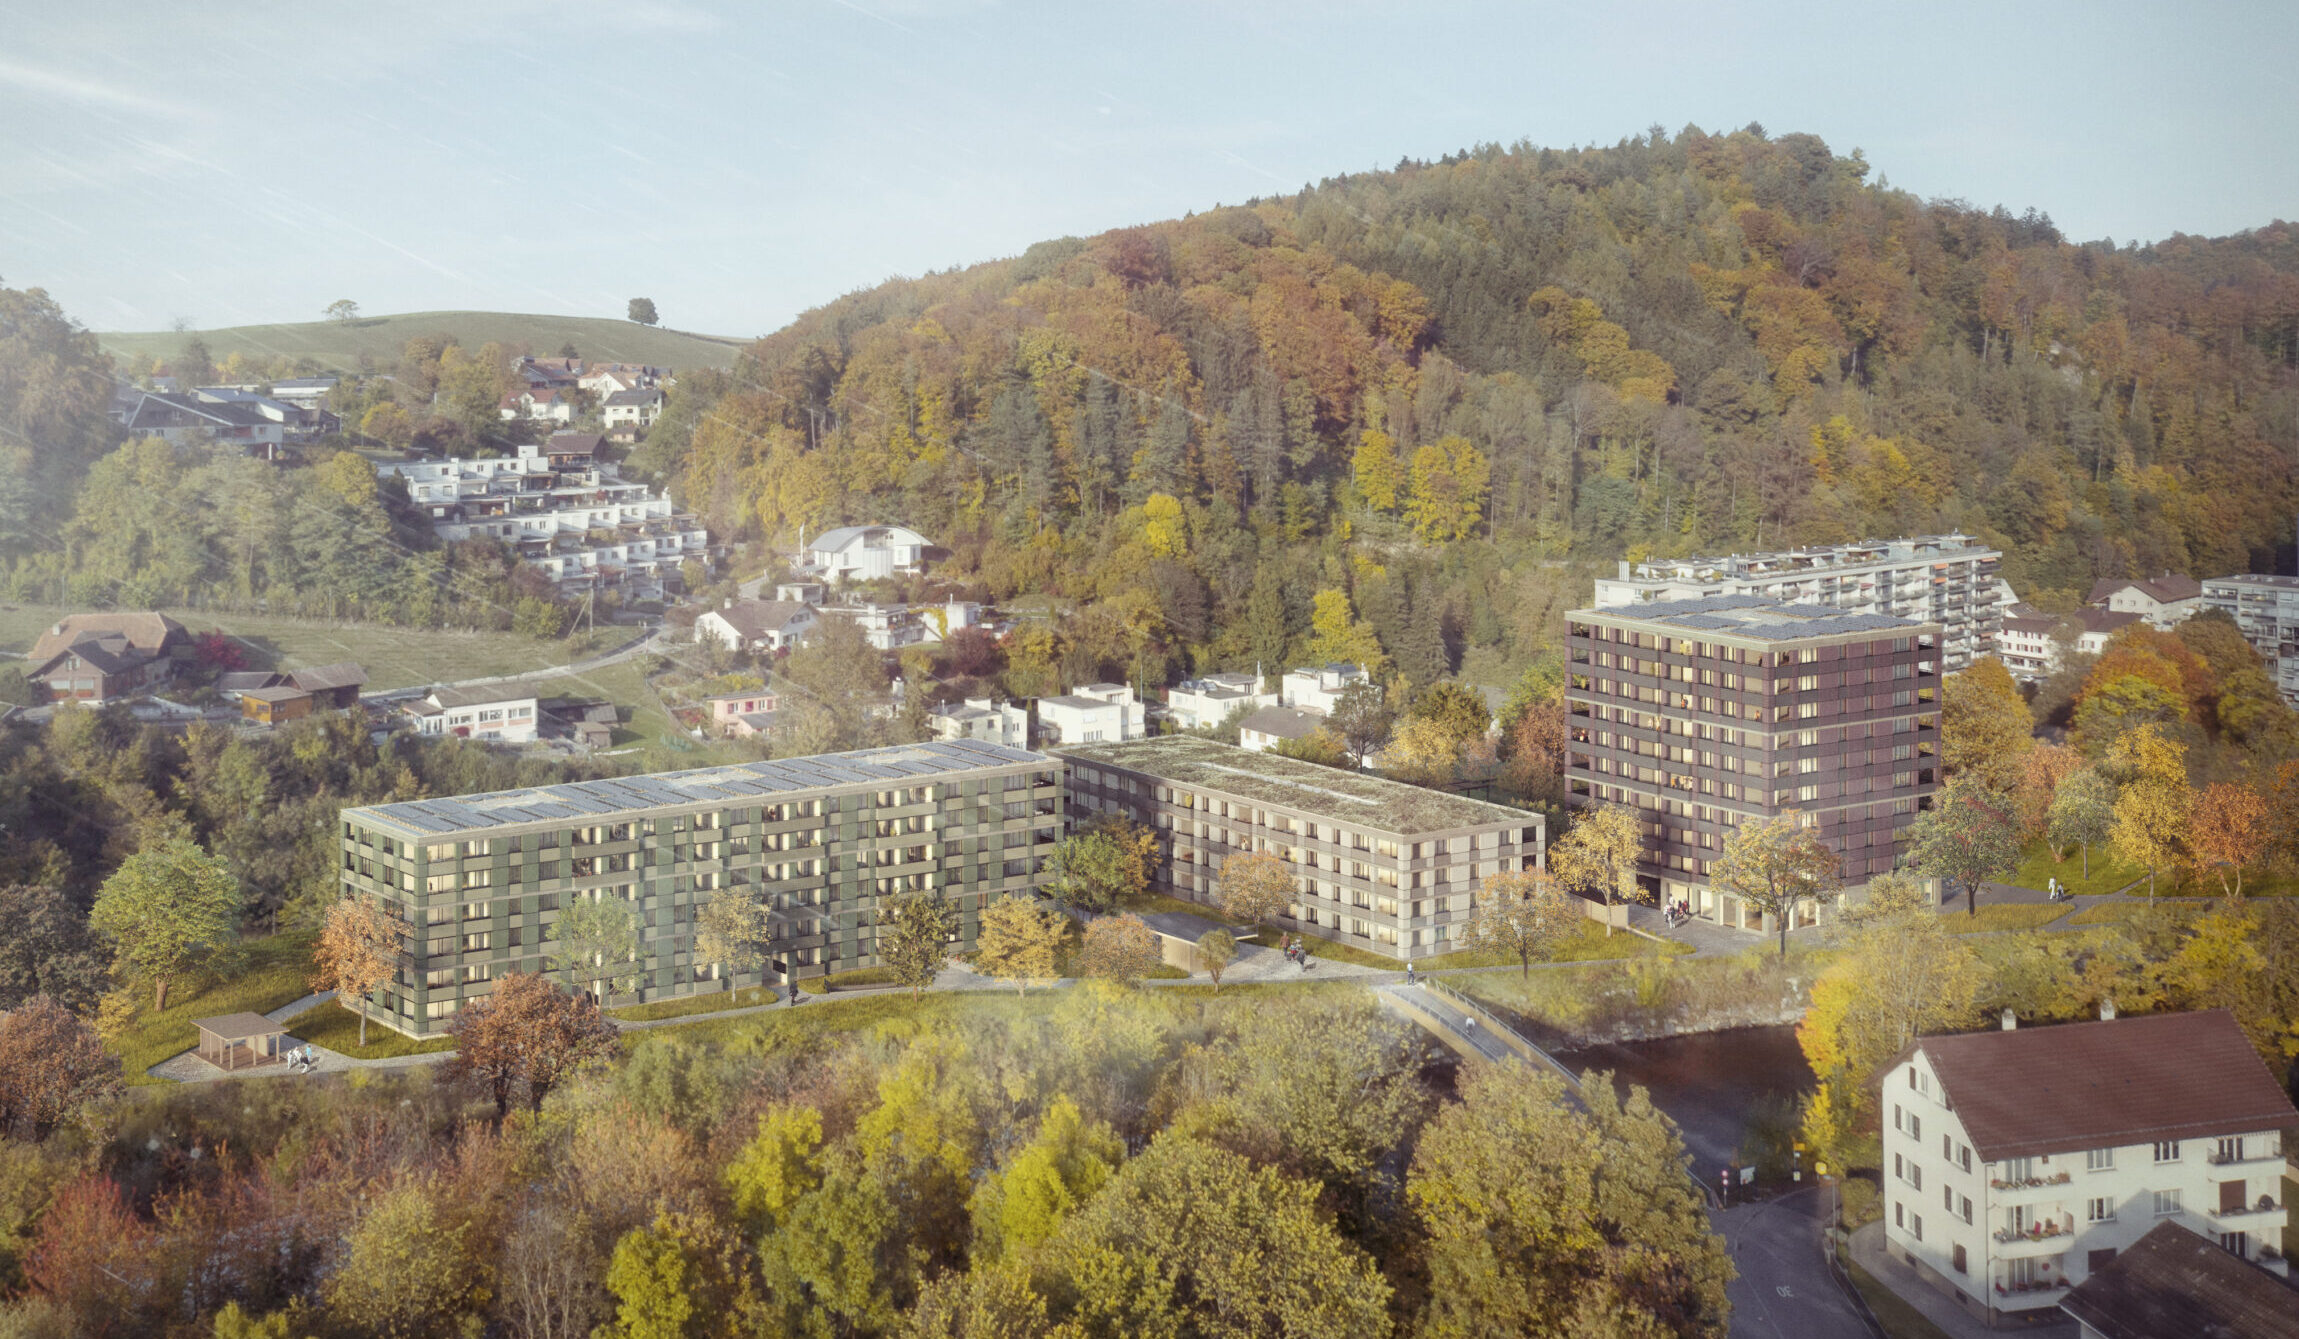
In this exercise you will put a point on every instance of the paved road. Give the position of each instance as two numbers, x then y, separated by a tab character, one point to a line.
1785	1290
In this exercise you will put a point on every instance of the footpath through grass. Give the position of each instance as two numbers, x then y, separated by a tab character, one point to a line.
717	1001
2002	916
337	1028
1587	943
271	972
2108	872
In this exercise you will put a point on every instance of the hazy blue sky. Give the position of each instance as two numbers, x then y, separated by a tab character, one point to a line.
251	161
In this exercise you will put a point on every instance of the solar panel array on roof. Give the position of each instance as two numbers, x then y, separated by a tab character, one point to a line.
1755	616
613	795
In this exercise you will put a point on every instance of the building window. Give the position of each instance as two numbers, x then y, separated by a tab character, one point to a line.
1899	1214
1967	1208
2099	1160
2167	1152
1916	1226
2166	1203
2099	1209
1959	1260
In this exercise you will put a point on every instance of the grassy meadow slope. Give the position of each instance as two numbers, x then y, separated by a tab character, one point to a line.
379	339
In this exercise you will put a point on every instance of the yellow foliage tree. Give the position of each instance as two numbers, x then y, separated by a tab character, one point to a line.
1380	475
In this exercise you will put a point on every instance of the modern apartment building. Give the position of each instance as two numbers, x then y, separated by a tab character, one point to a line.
1384	866
2018	1162
1093	713
2267	609
1709	713
479	879
574	517
1945	579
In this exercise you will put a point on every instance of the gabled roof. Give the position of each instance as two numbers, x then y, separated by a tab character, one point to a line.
145	632
1283	722
2139	1080
573	444
2174	1284
278	693
240	681
756	618
639	397
104	653
482	695
319	678
2095	619
2166	589
154	409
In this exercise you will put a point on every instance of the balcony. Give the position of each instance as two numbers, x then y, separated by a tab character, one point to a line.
2236	1220
2038	1239
2031	1182
2019	1296
2247	1156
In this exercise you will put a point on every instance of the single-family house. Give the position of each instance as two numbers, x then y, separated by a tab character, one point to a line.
889	627
2165	601
506	713
2176	1283
182	419
638	408
744	715
985	719
95	658
756	625
1271	726
2018	1163
1319	688
1097	713
308	392
548	373
1202	703
572	450
544	404
863	552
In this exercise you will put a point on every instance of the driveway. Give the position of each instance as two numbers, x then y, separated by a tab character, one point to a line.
1785	1290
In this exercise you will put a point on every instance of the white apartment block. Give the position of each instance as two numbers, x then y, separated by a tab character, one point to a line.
1094	714
1318	689
1202	703
983	718
2016	1162
504	713
584	526
1945	579
2266	608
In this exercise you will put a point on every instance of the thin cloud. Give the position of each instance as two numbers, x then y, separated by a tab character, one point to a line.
95	92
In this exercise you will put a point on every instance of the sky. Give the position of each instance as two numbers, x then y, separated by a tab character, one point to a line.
229	163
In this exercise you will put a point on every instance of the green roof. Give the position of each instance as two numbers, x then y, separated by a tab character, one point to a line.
1354	798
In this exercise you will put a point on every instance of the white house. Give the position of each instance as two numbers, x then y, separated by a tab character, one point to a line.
1318	689
2016	1162
1272	726
504	713
543	404
2165	601
1199	704
638	408
861	552
756	625
889	627
183	419
985	719
1094	714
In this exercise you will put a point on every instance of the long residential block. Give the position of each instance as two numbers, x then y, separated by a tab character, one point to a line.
1378	864
479	879
2266	608
1707	714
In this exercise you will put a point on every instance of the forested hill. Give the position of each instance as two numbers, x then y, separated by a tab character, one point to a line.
1668	346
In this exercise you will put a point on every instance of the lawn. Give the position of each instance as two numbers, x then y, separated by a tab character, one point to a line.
2108	873
393	657
341	344
1587	943
848	980
1899	1319
2003	916
717	1001
1318	947
337	1028
1642	995
273	972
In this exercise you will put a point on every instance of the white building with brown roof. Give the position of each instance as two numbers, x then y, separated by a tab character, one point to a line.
756	625
2165	601
2017	1162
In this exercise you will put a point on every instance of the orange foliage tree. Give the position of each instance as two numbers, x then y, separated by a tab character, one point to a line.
2228	830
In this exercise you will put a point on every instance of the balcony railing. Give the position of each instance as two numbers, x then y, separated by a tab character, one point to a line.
2217	1159
2264	1204
2025	1183
2034	1232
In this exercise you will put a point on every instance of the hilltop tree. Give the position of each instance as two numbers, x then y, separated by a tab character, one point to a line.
357	954
1776	865
342	311
168	908
642	310
1599	854
1522	913
527	1033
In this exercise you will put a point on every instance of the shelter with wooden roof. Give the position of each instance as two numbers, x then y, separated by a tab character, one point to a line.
233	1042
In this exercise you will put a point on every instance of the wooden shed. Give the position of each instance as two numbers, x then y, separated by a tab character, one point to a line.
240	1041
274	706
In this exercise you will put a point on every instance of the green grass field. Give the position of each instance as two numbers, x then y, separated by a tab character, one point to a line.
1588	943
2005	916
379	339
1899	1319
272	972
337	1028
2107	872
393	657
717	1001
2119	913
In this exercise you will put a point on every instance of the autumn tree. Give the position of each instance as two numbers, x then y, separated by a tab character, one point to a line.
2151	810
1216	949
527	1033
2042	771
1380	475
1104	866
47	948
342	311
1255	887
1118	948
2228	829
732	928
1019	941
1545	1220
357	954
682	1275
1524	914
406	1267
1985	729
1421	750
168	908
914	937
51	1065
1598	855
1361	720
2082	812
1066	1162
1970	835
595	941
1450	478
1776	865
1320	746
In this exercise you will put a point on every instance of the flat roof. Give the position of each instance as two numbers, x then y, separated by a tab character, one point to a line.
736	783
236	1027
1753	618
1359	799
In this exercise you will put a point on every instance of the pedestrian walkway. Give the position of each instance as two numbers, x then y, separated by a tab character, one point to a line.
1453	1024
1870	1253
1707	938
189	1068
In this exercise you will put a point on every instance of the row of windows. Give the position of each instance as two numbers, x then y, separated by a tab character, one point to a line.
1804	655
1733	683
1241	812
1803	711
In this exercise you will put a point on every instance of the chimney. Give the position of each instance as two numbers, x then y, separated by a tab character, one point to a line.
2107	1011
1624	569
2011	1020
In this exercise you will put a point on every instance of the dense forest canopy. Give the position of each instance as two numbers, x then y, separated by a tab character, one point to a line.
1669	346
